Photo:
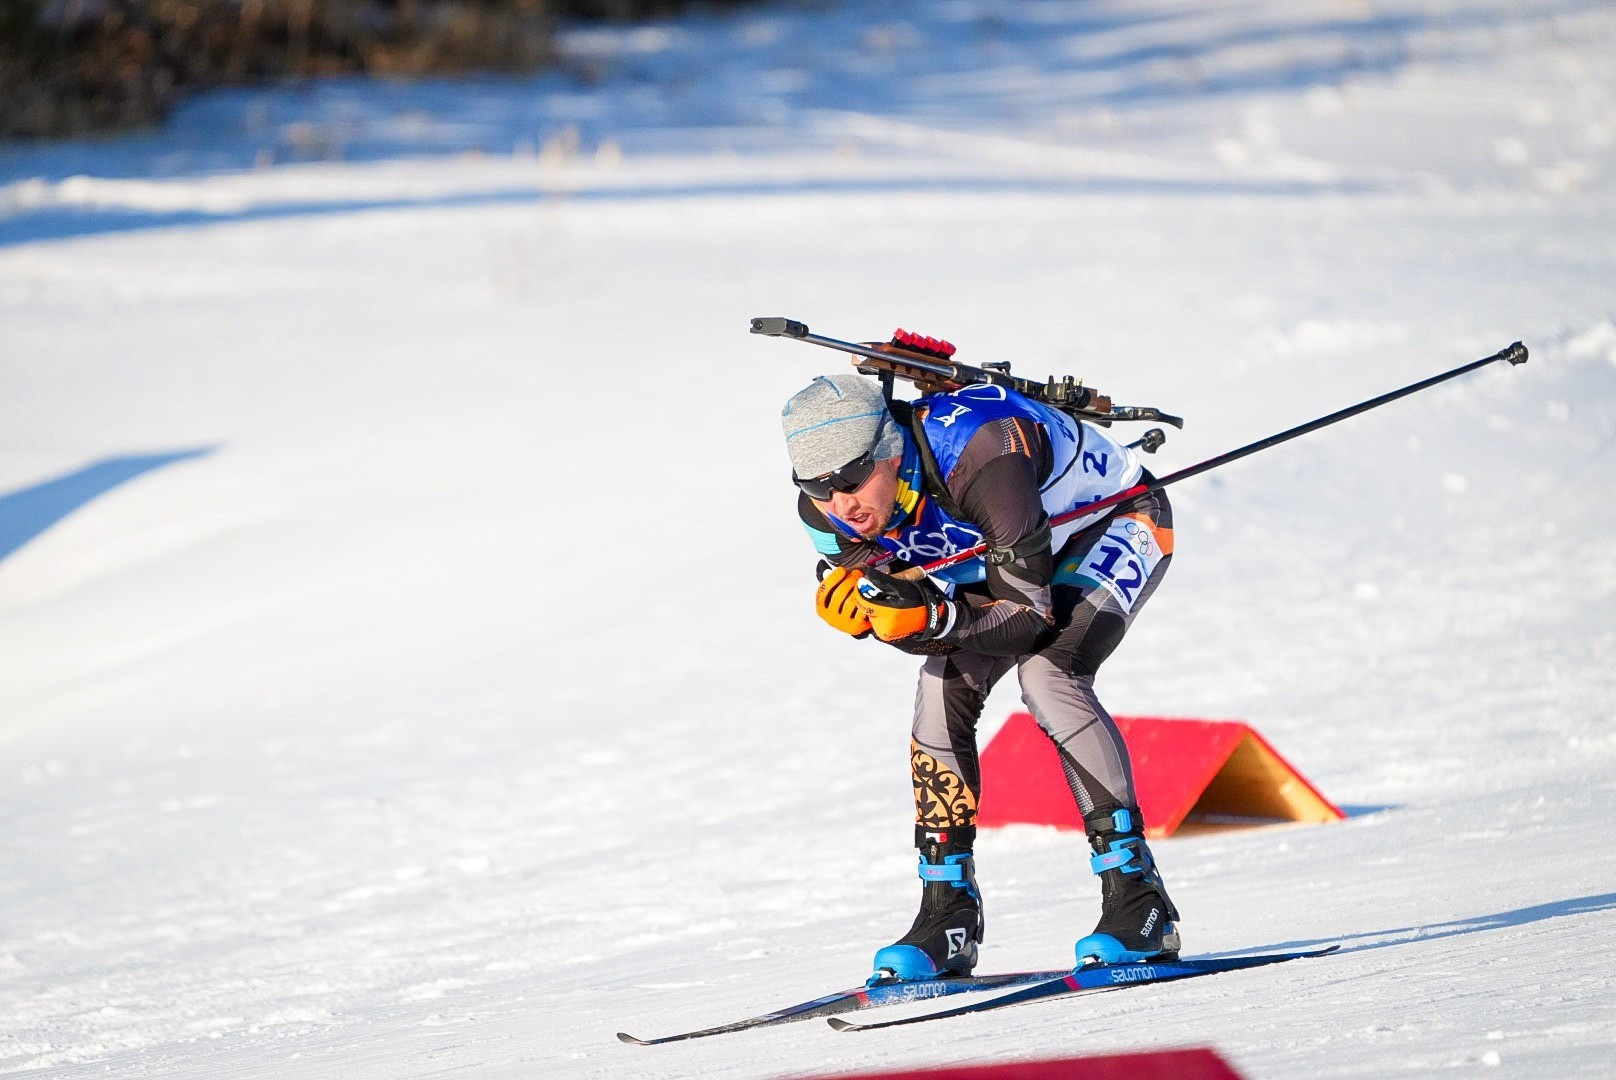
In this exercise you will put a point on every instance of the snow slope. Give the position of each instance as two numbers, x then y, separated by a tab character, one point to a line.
451	701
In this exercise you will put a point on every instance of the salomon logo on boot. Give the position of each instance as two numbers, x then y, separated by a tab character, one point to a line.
1136	916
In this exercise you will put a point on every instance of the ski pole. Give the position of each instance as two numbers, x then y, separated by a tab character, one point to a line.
1515	354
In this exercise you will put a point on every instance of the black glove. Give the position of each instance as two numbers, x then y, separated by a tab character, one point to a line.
905	610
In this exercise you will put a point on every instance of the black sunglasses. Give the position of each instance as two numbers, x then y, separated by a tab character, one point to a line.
848	479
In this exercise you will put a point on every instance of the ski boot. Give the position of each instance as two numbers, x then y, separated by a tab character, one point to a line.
1136	917
945	934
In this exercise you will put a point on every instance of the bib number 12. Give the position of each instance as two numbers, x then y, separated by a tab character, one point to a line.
1122	561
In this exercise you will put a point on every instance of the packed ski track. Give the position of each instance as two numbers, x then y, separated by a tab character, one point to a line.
406	660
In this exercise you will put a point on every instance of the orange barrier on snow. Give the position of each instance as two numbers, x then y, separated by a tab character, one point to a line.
1204	773
1195	1064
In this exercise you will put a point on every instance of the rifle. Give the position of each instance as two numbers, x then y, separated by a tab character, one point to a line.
933	367
929	364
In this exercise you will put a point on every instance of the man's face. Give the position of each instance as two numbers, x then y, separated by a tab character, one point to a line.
867	508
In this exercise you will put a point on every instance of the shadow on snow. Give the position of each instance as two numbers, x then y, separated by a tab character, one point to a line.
1371	940
62	222
27	513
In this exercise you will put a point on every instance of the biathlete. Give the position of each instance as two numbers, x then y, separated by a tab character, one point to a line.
909	482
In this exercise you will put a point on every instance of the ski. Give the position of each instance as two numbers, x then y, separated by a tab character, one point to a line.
1097	977
891	992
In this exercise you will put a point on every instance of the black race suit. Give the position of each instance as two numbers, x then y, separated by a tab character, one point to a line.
1030	614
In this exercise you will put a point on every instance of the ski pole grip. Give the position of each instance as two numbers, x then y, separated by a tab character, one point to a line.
778	327
1515	354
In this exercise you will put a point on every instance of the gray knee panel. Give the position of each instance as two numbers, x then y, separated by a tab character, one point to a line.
1092	751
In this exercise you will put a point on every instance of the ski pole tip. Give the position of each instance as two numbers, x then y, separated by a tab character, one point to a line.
1515	354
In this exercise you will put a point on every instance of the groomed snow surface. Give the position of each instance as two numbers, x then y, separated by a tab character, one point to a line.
452	699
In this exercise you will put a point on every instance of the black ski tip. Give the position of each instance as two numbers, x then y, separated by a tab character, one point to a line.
623	1036
839	1024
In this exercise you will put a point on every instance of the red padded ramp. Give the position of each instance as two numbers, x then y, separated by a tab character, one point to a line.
1206	773
1195	1064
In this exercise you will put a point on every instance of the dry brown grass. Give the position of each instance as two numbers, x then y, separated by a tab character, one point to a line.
74	66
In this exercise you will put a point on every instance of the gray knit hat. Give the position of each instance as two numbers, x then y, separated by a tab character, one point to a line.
835	420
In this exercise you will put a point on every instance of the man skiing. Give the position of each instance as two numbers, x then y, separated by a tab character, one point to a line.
920	480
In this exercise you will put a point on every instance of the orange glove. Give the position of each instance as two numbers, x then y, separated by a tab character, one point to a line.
838	603
898	610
